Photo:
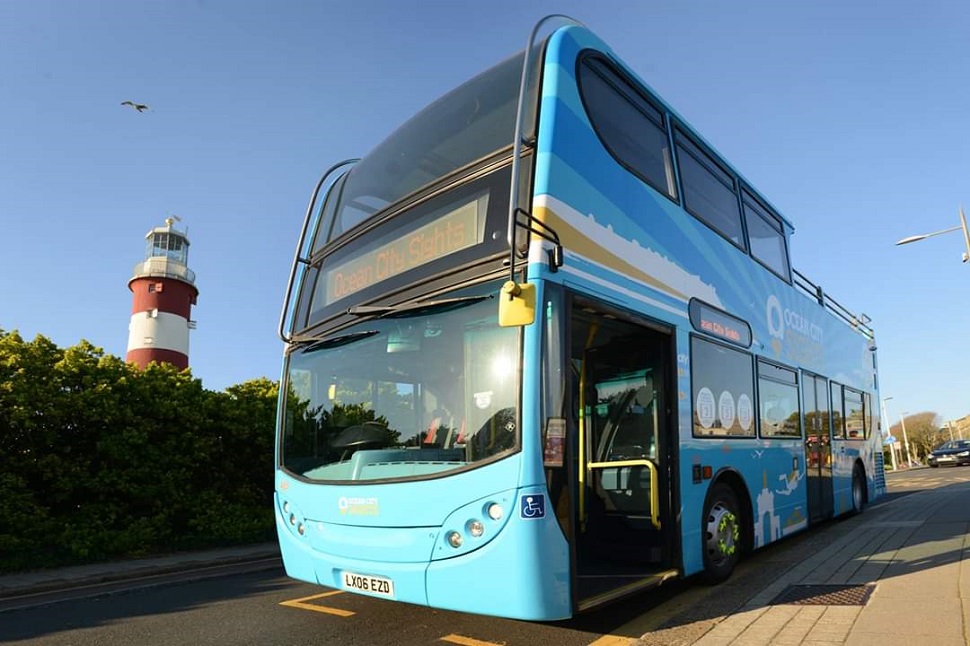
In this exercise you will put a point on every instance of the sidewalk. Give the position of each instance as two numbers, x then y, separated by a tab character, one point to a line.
40	581
897	574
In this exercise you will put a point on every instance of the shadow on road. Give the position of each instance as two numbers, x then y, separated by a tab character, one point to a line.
125	604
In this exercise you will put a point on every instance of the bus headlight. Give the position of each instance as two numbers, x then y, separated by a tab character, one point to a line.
475	528
473	525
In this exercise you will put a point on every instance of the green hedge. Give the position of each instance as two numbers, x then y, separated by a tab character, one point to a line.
100	460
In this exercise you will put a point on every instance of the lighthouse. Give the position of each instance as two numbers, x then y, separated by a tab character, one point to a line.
163	293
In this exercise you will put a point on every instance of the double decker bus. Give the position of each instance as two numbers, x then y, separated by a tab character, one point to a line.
545	348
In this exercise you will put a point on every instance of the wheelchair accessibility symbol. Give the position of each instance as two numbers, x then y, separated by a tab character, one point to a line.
532	506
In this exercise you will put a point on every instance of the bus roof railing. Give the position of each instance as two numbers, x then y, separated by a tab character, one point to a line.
860	321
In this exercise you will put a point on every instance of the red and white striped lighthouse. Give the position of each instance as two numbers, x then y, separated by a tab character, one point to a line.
163	293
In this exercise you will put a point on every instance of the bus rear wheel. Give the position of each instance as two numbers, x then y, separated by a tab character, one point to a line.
858	490
722	528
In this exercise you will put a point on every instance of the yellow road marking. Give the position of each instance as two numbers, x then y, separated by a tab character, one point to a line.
301	603
612	640
466	641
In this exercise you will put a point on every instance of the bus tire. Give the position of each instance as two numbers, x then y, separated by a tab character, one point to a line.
722	529
858	490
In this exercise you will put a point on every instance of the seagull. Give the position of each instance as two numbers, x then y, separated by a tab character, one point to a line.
141	107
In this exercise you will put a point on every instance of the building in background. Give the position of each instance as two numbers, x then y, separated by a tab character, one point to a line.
163	293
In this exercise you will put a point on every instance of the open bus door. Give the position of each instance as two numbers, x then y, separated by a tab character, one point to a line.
622	529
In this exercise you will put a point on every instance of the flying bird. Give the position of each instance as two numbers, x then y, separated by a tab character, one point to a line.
141	107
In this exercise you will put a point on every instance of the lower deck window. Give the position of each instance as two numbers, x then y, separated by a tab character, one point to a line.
779	412
723	390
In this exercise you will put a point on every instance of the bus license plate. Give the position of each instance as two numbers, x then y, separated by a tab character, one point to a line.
376	585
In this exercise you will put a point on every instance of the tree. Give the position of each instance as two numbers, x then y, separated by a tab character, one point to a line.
922	431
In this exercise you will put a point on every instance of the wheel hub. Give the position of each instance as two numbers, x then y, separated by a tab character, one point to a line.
723	533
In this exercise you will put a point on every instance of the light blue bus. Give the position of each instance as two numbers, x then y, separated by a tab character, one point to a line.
545	348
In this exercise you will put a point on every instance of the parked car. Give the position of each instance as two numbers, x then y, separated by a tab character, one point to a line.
955	452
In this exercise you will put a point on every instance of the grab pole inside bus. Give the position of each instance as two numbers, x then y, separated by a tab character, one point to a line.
583	466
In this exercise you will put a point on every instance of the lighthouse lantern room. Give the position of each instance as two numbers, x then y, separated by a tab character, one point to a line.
163	293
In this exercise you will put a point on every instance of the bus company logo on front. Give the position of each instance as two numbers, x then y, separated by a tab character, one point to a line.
356	506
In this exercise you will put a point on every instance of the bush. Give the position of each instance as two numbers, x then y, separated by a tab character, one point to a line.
101	460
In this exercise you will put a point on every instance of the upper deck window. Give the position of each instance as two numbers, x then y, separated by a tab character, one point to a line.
460	226
766	237
629	126
710	192
465	125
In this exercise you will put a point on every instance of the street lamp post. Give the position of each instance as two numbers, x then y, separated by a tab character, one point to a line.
963	226
892	445
909	456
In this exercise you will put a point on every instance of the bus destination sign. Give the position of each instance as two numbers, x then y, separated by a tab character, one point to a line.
710	320
456	230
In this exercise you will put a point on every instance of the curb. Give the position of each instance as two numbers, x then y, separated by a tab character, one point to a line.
38	582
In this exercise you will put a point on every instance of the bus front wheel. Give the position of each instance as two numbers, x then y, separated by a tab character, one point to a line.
723	528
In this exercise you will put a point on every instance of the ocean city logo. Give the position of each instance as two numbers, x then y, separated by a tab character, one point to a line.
358	506
782	321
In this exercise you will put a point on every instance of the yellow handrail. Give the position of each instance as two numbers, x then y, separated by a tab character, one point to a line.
654	490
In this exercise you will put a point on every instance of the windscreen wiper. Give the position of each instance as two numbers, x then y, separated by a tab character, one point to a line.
409	309
312	344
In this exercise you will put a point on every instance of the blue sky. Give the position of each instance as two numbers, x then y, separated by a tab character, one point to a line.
850	116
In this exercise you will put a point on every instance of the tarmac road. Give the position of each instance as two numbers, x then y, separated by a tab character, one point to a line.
252	602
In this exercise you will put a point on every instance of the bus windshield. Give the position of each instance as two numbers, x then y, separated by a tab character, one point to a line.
465	125
416	391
